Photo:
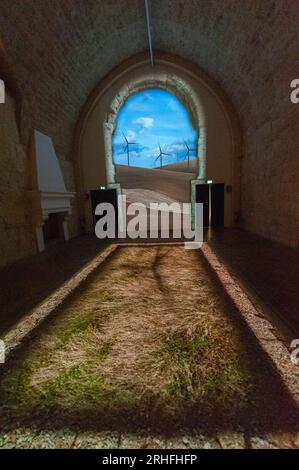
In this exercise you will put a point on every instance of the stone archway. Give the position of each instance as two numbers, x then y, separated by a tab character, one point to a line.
182	90
212	114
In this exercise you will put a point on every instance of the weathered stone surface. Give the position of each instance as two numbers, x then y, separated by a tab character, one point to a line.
211	444
53	440
184	442
296	441
97	441
283	440
20	438
16	235
260	443
23	438
131	441
158	442
231	440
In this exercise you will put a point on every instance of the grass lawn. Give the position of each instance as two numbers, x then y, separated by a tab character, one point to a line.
149	342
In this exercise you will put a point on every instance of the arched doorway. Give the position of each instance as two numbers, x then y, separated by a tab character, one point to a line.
211	113
179	88
154	132
155	155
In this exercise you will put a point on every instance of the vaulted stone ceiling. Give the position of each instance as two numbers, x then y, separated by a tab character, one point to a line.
59	50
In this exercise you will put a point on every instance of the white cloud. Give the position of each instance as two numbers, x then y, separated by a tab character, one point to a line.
145	122
131	135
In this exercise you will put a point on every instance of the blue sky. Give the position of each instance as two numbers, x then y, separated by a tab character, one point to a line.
150	118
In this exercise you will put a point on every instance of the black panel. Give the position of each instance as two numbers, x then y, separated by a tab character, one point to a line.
217	205
103	195
202	196
52	227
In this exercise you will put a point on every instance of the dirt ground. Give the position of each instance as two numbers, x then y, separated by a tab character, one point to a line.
174	184
150	344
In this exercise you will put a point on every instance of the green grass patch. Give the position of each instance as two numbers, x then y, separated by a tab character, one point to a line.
124	350
106	348
75	328
15	385
187	349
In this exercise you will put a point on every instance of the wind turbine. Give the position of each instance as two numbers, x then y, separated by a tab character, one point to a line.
188	152
127	148
161	156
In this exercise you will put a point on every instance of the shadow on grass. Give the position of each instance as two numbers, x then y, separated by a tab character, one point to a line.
26	283
268	407
272	412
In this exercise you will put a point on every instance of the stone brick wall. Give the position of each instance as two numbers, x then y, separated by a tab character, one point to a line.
270	181
17	210
16	235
